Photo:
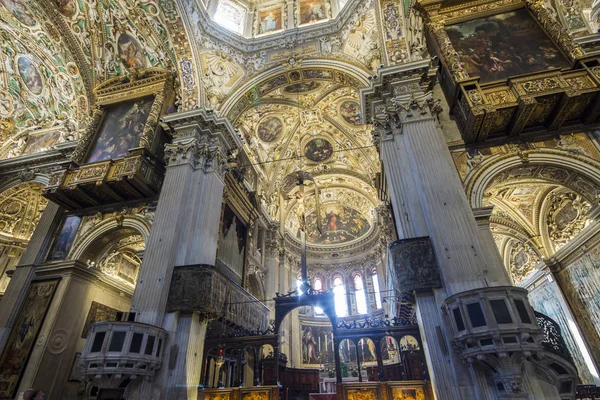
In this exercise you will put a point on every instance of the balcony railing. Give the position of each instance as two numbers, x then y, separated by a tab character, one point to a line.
553	340
125	348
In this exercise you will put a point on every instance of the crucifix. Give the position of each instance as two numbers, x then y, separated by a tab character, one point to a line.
298	179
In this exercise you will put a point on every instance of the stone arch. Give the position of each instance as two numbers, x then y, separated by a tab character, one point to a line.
477	181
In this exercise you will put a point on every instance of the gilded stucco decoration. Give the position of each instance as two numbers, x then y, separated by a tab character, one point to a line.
566	217
43	100
20	209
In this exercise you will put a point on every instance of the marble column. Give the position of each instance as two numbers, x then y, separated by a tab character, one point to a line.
490	250
272	266
22	276
184	233
428	199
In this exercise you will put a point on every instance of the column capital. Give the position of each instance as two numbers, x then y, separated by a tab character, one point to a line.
200	139
482	215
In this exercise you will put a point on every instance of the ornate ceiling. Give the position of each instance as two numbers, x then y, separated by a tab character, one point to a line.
311	122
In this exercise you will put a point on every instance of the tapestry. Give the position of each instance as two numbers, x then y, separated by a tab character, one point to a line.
64	239
24	335
504	45
98	313
121	129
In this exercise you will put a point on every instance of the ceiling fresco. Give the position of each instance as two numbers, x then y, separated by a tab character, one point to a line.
313	125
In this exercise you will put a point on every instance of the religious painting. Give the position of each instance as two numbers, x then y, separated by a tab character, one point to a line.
302	87
314	10
18	10
131	53
366	350
121	129
37	143
269	129
98	313
30	75
339	223
318	150
64	240
24	335
68	8
269	20
232	242
350	111
347	352
504	45
317	344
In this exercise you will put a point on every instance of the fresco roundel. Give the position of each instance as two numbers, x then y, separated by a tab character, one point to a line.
269	129
68	8
30	75
318	150
350	111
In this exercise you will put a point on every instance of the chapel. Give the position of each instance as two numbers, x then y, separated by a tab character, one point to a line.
299	199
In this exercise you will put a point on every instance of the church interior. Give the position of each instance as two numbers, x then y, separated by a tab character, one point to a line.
300	199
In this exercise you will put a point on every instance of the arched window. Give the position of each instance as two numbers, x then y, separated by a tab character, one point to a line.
298	284
318	285
339	292
376	287
359	292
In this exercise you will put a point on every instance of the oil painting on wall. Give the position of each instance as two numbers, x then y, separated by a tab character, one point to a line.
232	242
98	313
269	20
504	45
121	129
317	344
318	150
339	224
314	10
24	335
64	240
269	129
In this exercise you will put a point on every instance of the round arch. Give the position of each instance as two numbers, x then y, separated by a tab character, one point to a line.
137	223
478	182
250	93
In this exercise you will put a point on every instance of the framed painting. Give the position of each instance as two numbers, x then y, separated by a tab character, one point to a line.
500	46
317	344
313	11
64	238
270	20
98	313
24	335
121	129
